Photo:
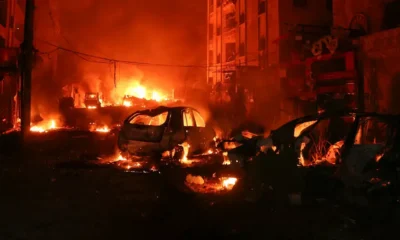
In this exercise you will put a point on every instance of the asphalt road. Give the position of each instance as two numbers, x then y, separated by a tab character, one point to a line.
43	199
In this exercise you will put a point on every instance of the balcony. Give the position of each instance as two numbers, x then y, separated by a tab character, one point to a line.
382	44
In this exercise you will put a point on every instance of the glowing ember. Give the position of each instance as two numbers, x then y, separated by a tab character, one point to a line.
44	127
91	107
228	183
213	185
210	151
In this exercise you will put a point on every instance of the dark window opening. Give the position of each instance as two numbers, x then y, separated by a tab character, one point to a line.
261	43
391	15
242	18
242	48
218	30
261	7
2	42
328	66
329	5
210	57
210	31
19	32
211	6
219	58
300	3
3	13
219	2
210	80
230	51
230	20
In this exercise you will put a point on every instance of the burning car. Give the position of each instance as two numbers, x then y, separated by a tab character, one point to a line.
154	131
92	100
332	152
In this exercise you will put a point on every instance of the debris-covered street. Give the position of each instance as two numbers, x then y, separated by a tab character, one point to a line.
62	196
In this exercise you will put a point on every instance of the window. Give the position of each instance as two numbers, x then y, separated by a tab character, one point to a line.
241	49
299	128
230	51
230	20
218	30
329	5
300	3
210	57
219	2
187	118
211	6
3	12
242	18
372	131
158	120
210	81
211	31
261	7
199	120
219	58
261	43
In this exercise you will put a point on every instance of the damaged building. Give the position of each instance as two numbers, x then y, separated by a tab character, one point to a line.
11	37
299	57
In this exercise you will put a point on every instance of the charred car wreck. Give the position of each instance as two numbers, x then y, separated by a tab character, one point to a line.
329	154
154	131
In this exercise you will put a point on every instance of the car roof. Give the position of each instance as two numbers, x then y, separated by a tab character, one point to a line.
161	109
328	114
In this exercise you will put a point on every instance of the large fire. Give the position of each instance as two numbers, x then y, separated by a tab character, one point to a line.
44	126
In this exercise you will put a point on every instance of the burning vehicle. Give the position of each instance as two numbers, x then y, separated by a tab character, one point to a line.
92	100
178	130
326	155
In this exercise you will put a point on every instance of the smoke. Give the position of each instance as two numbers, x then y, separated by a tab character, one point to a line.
168	32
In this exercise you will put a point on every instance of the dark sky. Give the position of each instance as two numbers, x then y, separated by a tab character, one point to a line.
160	31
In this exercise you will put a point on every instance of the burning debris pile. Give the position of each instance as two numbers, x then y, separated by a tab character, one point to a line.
210	185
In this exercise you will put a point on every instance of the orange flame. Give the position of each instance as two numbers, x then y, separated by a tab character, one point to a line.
228	183
44	127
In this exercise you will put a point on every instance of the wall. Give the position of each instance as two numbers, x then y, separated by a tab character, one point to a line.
344	10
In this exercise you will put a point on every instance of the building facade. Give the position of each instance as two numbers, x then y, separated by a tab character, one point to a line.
248	46
12	14
379	24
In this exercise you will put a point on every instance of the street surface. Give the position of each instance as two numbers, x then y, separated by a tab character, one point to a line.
60	197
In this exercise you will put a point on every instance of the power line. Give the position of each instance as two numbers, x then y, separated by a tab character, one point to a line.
84	56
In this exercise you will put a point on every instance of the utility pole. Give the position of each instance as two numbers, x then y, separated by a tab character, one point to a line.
115	75
27	62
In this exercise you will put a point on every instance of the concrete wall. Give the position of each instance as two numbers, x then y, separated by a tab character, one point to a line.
344	10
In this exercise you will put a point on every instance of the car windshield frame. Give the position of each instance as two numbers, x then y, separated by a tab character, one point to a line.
149	117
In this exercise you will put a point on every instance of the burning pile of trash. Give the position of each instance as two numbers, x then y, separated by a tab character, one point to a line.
214	184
